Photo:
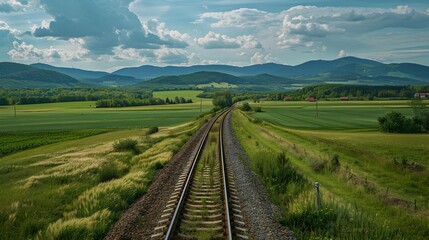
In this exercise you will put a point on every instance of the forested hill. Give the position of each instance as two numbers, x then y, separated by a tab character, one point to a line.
15	75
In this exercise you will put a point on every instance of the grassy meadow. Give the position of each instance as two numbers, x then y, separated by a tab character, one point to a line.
63	173
373	185
83	115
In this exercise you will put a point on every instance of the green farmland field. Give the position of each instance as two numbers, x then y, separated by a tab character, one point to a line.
336	115
83	115
377	190
61	176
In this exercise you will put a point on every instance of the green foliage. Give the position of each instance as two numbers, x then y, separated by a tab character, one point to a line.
395	122
222	99
335	162
4	101
126	145
52	95
152	130
113	103
421	113
355	91
257	109
245	107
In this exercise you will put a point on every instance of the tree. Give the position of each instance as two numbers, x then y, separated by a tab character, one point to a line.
420	113
222	99
246	107
3	101
395	122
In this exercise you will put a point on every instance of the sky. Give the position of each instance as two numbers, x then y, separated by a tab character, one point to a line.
111	34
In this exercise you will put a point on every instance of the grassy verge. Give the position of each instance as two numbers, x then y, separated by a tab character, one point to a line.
355	203
76	189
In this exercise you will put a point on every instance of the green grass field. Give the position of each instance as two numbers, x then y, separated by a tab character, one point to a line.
76	189
83	115
380	178
332	115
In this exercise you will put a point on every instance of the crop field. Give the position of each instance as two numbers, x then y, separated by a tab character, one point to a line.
331	115
76	189
83	115
374	185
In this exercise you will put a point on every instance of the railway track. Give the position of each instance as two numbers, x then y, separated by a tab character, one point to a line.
204	203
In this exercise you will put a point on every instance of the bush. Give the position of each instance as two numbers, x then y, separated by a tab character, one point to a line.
335	162
126	145
152	130
395	122
245	107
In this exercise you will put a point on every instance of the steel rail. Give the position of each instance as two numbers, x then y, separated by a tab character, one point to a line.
175	219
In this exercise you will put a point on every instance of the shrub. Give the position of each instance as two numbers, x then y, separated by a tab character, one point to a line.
152	130
245	107
395	122
335	162
318	165
126	145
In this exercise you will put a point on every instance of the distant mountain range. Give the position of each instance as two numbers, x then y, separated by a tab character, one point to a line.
272	76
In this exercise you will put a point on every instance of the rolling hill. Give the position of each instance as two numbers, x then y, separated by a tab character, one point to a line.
15	75
72	72
351	68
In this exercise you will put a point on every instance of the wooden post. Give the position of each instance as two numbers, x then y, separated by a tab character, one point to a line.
316	185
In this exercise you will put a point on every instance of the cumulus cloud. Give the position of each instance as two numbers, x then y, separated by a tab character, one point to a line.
13	6
214	40
105	24
242	17
303	25
8	35
162	55
307	26
342	53
259	58
27	52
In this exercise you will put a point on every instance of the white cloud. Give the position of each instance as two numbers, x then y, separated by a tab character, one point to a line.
242	18
8	6
27	52
214	40
342	53
173	56
161	56
259	58
304	25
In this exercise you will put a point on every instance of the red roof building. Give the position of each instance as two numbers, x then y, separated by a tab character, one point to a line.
311	99
344	98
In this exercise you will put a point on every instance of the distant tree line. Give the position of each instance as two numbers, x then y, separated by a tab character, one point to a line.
34	96
130	102
360	92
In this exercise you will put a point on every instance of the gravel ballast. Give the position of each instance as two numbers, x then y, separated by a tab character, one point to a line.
258	212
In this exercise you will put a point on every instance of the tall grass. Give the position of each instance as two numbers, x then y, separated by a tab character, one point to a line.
275	164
